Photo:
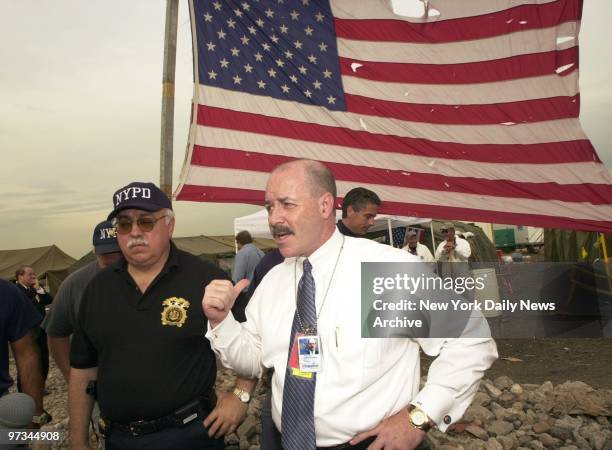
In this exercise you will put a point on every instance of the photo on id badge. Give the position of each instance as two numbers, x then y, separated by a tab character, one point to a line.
310	357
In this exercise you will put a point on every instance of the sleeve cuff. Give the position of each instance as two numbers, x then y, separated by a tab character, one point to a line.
436	402
222	334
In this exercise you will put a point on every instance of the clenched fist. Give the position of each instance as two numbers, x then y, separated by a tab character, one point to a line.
219	297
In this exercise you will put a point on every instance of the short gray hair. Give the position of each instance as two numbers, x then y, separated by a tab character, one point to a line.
169	215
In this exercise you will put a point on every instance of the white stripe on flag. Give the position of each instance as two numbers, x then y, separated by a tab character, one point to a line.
487	49
529	133
245	179
526	173
465	94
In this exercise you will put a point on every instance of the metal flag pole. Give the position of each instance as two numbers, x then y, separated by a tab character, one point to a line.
167	113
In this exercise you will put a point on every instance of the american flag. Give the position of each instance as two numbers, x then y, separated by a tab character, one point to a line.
469	112
399	235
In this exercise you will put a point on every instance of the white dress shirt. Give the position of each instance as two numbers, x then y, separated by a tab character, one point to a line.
362	381
422	252
461	253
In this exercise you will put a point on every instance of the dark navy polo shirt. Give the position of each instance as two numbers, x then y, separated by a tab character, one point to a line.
148	365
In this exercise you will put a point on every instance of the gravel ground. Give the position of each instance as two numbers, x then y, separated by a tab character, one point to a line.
522	361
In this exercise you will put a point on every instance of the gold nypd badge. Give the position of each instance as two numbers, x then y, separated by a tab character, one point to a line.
175	311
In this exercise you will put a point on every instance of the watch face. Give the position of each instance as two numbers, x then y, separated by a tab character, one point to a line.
245	397
418	418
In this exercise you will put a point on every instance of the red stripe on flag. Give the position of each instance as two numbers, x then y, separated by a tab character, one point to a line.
544	153
256	197
515	67
236	159
194	193
519	18
526	111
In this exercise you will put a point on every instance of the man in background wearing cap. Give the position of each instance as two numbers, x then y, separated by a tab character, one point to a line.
140	336
452	248
61	320
414	247
452	257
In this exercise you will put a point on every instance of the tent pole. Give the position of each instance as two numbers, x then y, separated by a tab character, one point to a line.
390	233
433	238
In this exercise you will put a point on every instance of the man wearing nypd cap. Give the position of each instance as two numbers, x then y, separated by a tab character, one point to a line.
60	322
140	338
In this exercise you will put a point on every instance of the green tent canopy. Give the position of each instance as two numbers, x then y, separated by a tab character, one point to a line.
48	262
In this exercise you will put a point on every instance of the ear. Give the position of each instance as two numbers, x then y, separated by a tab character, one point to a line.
171	226
326	205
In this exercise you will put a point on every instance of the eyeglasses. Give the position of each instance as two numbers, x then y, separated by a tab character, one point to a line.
145	223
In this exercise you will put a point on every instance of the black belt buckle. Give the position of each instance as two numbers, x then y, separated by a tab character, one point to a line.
141	427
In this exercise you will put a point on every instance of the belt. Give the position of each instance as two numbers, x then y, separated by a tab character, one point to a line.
363	445
179	418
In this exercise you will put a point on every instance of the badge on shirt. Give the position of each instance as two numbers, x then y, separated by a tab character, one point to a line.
309	357
175	311
305	356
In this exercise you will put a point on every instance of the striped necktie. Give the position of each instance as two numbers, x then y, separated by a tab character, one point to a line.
297	421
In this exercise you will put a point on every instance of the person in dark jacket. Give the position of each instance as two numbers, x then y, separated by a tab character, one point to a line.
27	282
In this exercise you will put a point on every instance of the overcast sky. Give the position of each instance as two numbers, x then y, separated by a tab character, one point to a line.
80	100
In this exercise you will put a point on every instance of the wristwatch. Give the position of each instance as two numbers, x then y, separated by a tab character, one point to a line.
42	419
419	418
242	395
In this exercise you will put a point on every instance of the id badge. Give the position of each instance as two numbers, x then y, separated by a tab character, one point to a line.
309	353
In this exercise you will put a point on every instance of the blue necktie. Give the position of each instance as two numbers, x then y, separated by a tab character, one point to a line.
297	421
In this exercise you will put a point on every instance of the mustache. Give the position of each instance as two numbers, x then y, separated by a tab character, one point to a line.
280	229
137	241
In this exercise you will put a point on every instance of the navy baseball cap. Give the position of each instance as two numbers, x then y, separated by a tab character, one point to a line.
105	238
138	195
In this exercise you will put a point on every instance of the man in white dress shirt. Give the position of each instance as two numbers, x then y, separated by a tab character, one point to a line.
452	248
367	390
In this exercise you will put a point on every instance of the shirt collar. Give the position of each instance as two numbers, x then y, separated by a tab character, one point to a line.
344	229
326	254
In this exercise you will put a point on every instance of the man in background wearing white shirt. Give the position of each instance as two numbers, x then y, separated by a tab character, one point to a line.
366	391
414	247
452	248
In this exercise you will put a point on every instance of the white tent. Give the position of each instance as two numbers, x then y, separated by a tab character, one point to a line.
257	223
